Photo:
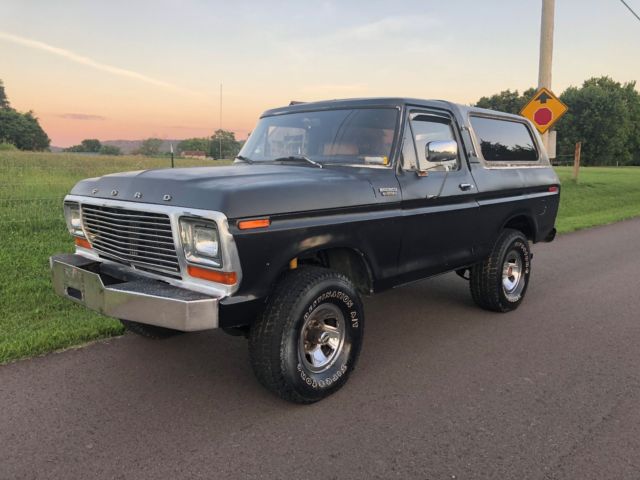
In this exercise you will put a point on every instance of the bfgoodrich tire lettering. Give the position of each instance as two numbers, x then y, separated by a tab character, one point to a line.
306	343
500	282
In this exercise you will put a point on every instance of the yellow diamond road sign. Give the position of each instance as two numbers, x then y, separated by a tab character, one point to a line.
544	109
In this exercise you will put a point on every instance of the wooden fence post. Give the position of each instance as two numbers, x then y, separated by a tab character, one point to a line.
576	161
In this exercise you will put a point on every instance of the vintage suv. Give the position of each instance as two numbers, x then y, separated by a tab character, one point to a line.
326	202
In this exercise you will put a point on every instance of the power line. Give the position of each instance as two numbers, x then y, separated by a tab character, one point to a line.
630	9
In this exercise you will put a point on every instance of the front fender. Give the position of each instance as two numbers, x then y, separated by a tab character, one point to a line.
266	253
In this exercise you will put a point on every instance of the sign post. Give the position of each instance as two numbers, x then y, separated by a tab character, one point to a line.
576	161
552	144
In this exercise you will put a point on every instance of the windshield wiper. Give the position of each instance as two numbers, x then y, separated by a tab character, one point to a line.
297	158
244	159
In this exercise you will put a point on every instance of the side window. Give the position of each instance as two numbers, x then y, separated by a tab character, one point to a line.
504	140
430	128
409	160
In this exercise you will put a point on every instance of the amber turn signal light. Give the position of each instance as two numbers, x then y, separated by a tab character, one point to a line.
255	223
82	242
226	278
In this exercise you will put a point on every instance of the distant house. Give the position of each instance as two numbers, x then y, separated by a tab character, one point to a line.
193	154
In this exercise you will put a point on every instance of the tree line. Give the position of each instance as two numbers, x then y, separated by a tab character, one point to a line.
149	147
222	144
22	130
93	145
603	114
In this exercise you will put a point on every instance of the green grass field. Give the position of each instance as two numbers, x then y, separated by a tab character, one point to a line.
32	186
32	227
602	195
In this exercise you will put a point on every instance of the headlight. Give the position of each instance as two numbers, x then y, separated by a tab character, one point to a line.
73	218
200	241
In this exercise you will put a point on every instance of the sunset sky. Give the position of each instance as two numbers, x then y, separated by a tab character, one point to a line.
134	69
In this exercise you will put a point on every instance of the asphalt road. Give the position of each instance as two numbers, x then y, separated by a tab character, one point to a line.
443	390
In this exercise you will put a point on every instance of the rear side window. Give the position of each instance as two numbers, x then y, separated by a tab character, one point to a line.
504	140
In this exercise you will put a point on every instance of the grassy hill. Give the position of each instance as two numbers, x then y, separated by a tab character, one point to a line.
602	195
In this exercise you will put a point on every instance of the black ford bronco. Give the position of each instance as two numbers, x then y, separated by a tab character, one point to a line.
326	202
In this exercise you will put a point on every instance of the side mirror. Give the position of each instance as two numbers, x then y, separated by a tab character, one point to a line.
441	151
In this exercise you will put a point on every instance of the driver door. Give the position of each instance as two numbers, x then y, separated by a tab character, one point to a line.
440	213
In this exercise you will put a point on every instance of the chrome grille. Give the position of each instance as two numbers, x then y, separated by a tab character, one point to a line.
142	240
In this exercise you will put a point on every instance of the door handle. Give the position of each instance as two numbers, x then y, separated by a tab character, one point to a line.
465	186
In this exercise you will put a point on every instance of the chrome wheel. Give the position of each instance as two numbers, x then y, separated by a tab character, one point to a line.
322	337
513	278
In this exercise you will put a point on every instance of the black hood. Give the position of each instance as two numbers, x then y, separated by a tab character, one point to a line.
246	190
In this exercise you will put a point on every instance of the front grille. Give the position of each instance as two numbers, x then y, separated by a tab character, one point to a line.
142	240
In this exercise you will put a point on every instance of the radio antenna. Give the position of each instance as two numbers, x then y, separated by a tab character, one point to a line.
220	124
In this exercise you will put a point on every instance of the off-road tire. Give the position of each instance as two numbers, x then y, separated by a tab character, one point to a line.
486	278
149	331
277	345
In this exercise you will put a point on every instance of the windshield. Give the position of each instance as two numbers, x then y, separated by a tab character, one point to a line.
346	136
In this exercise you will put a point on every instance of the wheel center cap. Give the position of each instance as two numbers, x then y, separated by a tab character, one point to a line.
323	339
510	272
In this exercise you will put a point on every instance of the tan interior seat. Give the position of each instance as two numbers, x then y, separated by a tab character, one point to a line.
340	149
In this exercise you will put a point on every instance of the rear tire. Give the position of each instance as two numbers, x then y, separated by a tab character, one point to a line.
306	343
149	331
500	282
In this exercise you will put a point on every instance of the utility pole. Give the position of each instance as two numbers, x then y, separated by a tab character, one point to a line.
546	51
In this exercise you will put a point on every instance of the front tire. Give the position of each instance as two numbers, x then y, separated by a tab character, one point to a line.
306	343
500	282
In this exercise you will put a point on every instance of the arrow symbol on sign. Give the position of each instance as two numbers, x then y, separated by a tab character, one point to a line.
543	97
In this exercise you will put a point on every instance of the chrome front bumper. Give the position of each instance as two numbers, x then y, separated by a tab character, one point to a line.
122	294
